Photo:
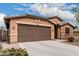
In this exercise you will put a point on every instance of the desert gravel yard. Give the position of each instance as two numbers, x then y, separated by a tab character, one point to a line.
50	48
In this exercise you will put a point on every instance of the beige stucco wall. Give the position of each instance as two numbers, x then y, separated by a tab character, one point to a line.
56	21
14	26
13	31
63	34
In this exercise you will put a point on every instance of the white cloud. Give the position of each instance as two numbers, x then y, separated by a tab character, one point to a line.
56	4
2	15
54	9
43	9
20	9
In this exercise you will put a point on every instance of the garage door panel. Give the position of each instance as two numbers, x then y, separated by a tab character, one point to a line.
33	33
26	39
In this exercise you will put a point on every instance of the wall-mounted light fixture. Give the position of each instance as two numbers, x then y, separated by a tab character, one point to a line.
13	27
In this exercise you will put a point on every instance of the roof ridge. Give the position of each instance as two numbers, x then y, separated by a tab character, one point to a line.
55	17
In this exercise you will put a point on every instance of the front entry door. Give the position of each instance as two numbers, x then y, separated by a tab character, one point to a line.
56	31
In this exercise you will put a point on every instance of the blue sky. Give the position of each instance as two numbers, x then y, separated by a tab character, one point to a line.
11	9
18	8
8	9
63	10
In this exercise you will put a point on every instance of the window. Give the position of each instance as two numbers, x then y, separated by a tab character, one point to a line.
67	30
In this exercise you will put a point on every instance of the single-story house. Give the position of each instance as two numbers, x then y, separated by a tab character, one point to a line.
33	28
76	33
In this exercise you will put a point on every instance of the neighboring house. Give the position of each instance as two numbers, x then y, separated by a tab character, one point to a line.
32	28
3	35
76	33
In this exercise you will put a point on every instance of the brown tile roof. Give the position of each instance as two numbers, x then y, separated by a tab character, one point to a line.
36	17
56	17
63	24
77	29
24	16
27	16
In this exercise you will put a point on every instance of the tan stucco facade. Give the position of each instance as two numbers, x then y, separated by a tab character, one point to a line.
57	30
63	34
61	30
14	26
56	21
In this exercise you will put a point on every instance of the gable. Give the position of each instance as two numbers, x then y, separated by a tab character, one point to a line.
56	20
68	25
32	21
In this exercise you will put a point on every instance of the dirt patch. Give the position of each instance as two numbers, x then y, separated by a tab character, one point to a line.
6	45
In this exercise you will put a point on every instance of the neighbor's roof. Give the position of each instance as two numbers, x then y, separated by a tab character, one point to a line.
77	29
56	17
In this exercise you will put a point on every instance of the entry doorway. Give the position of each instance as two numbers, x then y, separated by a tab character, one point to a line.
56	31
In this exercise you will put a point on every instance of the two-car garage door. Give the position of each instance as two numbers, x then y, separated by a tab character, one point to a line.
33	33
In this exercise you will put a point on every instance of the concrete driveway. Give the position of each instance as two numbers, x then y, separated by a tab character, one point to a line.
49	48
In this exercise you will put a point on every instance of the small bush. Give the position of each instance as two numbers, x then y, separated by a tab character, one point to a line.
71	39
13	52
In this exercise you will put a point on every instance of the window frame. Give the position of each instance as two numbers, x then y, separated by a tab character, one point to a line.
67	30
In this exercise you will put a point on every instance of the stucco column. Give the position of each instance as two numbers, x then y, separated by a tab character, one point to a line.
13	31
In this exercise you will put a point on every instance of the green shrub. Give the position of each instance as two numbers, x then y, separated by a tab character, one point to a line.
71	39
14	52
